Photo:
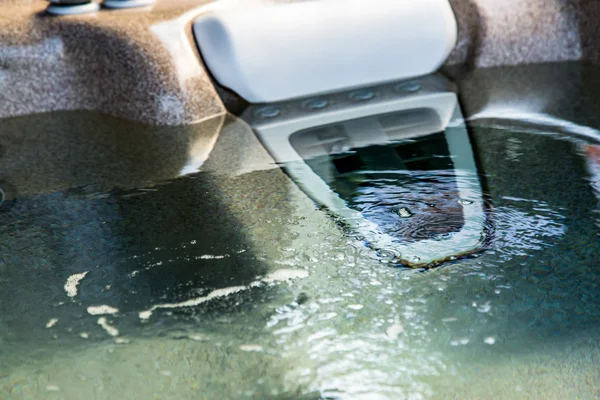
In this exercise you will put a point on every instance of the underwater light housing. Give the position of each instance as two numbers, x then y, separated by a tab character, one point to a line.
269	51
392	162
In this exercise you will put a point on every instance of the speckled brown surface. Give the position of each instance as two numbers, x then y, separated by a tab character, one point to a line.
138	64
513	32
142	64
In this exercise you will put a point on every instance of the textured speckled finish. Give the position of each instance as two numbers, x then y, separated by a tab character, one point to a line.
143	64
138	64
495	33
513	32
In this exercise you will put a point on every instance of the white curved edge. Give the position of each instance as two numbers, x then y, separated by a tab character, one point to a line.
469	239
537	118
286	51
216	48
122	4
78	9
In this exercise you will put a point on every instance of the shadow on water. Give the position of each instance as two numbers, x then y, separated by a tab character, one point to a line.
531	126
109	206
93	199
543	205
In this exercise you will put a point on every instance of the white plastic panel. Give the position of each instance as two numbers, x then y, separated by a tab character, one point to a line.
284	51
285	119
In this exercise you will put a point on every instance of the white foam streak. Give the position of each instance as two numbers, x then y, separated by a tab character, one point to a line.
111	330
73	282
102	310
280	275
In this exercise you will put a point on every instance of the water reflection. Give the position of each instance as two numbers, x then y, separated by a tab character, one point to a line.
102	230
245	288
394	163
45	153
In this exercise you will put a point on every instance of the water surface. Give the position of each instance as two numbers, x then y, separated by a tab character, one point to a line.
232	283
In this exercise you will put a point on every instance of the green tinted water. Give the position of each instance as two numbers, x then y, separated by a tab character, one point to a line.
231	283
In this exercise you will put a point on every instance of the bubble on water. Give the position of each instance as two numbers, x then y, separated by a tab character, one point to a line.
144	315
394	330
388	256
213	257
451	319
102	310
489	340
356	306
251	347
460	342
52	388
484	308
111	330
197	337
52	322
72	283
404	212
465	202
285	275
